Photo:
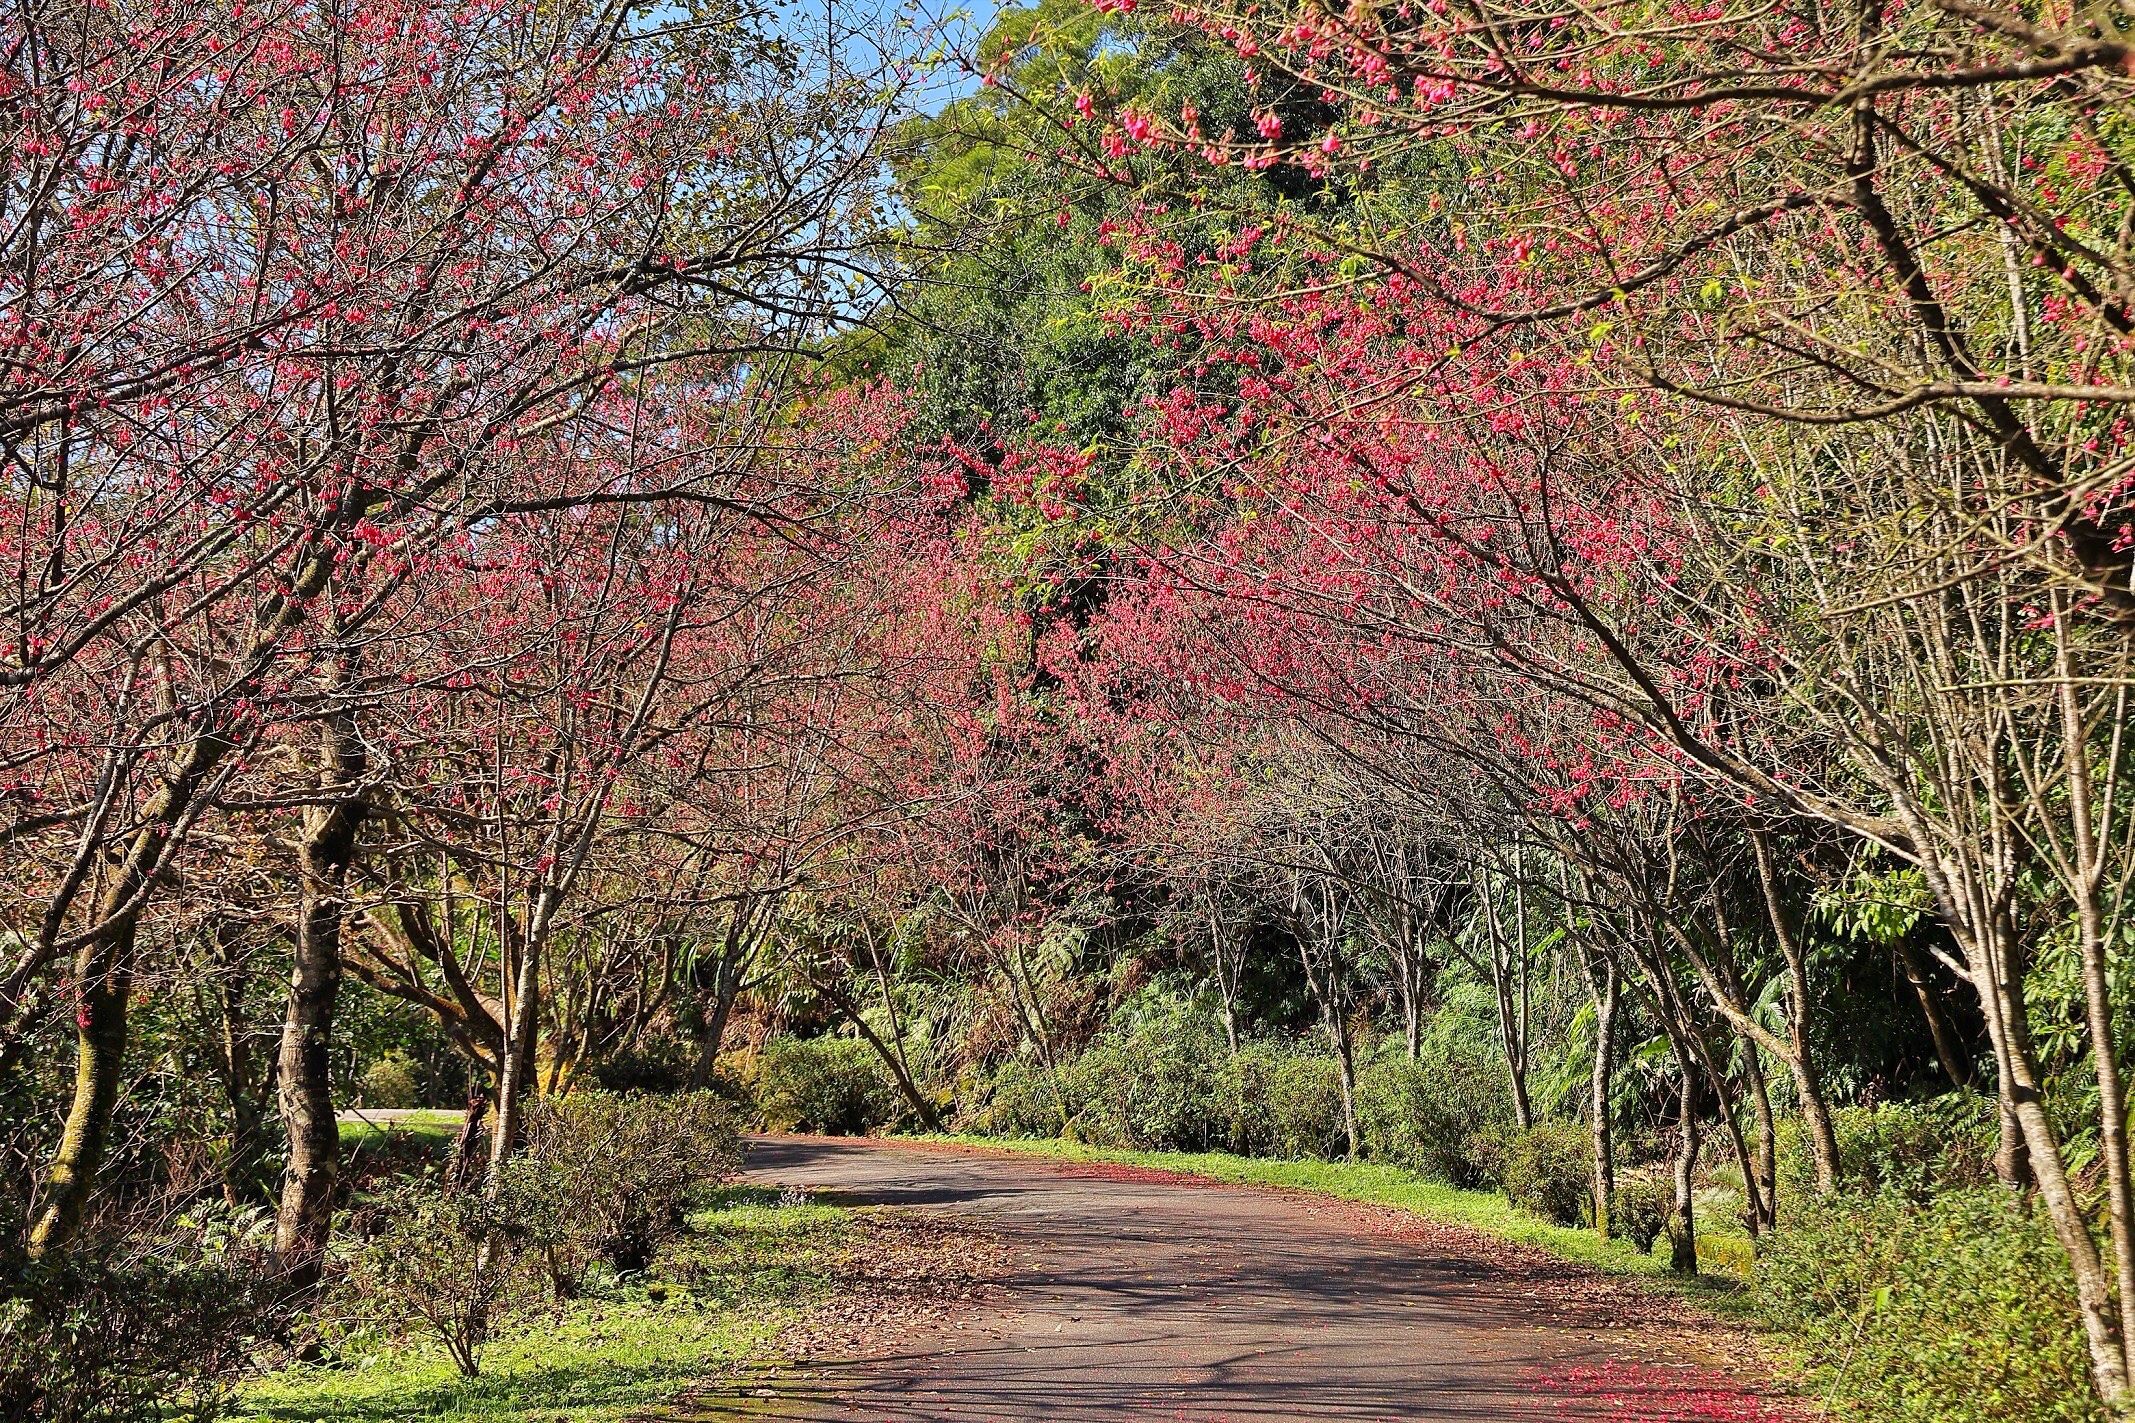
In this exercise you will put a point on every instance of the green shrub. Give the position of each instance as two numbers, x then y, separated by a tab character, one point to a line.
1021	1100
1643	1199
442	1258
392	1081
834	1085
1305	1106
137	1327
1154	1084
1959	1309
1245	1122
1548	1171
1425	1115
1917	1147
655	1065
614	1173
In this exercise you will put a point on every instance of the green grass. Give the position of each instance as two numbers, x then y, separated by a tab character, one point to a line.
423	1130
716	1300
1487	1212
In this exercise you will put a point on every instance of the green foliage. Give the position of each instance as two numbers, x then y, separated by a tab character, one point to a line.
828	1084
717	1297
1158	1083
157	1325
1427	1114
1547	1171
1960	1309
390	1082
1022	1101
443	1258
1915	1147
613	1173
1643	1199
1304	1096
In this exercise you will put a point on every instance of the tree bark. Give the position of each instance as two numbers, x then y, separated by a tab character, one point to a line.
103	975
461	1169
1948	1051
1508	959
1682	1214
1601	1127
1731	1122
1227	968
327	846
103	972
1815	1110
1345	1061
1767	1132
244	1166
726	987
517	1074
893	1059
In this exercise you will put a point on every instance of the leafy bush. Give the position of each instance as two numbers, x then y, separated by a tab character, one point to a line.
1426	1114
1959	1309
834	1085
652	1065
1243	1122
441	1257
117	1329
391	1081
1547	1171
1021	1101
1304	1095
1156	1084
1917	1147
616	1171
1643	1199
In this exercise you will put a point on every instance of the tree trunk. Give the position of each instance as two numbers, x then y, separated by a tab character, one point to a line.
1731	1123
305	1072
517	1074
726	987
1510	1017
1325	980
1599	1106
103	975
244	1167
893	1060
1345	1062
103	971
1815	1110
1767	1133
1682	1214
461	1169
1949	1052
1228	967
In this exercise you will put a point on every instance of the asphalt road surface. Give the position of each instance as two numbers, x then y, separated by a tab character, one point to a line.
1145	1298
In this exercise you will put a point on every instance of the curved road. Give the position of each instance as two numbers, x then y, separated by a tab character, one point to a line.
1148	1298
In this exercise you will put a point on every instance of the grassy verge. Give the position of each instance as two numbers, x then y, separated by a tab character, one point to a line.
415	1130
716	1300
1486	1212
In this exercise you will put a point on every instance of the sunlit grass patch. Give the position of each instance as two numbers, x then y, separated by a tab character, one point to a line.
415	1130
716	1300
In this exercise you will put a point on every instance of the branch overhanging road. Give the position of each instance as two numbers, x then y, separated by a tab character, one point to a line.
1138	1295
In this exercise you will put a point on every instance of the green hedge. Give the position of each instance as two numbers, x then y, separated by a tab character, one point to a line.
1959	1309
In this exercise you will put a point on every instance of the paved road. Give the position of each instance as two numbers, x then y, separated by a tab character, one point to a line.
1150	1299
